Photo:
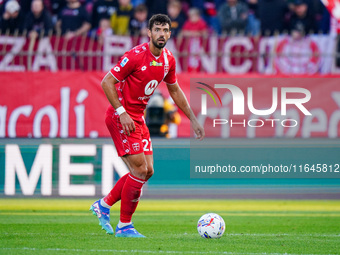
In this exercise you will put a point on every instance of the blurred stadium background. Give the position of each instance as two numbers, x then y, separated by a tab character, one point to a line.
55	148
51	99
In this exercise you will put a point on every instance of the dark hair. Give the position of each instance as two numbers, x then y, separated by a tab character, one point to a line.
141	8
159	19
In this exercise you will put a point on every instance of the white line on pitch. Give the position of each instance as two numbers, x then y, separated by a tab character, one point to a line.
227	234
148	252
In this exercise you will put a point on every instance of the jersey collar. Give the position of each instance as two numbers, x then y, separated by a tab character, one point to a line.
153	54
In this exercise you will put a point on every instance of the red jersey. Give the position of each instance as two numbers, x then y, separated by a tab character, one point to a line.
139	73
200	26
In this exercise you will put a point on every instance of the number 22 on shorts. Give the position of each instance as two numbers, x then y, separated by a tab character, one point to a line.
147	144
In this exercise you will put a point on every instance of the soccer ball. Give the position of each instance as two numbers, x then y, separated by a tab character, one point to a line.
211	225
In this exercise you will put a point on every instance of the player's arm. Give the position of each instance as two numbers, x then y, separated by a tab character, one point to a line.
181	101
108	85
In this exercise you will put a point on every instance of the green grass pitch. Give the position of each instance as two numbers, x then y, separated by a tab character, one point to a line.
65	226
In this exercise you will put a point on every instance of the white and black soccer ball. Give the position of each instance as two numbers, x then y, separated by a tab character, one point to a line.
211	225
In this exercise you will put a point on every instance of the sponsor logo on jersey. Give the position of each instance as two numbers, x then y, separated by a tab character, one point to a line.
154	63
143	68
144	98
136	147
117	69
150	87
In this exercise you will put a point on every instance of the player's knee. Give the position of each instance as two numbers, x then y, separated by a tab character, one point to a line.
150	172
140	170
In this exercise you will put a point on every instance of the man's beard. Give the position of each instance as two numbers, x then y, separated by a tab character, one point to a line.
155	43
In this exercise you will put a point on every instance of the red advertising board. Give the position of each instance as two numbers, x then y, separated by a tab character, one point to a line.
44	104
72	104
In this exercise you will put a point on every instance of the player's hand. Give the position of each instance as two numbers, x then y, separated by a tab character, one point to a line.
127	123
199	130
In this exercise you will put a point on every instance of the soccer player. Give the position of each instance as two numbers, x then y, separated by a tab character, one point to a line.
128	87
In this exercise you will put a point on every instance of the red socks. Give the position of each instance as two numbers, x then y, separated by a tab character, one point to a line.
127	189
115	194
130	197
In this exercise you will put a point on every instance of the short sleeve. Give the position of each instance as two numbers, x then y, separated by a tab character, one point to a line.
171	77
124	67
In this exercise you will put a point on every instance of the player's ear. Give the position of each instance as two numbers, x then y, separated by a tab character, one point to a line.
149	33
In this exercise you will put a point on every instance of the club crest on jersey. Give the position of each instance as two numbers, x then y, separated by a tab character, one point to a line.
154	63
124	61
135	147
166	68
